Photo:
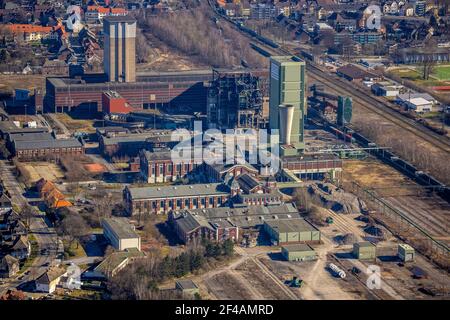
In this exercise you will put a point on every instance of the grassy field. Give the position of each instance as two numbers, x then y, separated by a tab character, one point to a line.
85	125
38	170
10	82
442	72
74	250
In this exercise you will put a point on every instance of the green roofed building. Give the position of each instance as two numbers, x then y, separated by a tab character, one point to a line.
288	87
115	262
187	287
287	231
365	250
298	252
405	252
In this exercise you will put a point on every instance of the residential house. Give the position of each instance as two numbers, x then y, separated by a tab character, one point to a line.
262	11
9	266
50	279
95	14
21	248
32	32
5	202
51	195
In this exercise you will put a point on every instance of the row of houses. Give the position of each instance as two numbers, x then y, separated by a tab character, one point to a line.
259	11
53	198
14	244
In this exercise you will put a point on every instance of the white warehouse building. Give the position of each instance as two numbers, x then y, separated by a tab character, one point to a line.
121	234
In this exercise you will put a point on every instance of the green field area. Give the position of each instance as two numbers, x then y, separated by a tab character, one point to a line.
442	72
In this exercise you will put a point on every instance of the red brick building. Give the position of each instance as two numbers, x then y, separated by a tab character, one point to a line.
159	167
156	200
113	102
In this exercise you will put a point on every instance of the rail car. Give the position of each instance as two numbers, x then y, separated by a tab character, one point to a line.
260	50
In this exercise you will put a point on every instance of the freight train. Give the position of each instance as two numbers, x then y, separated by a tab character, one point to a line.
253	33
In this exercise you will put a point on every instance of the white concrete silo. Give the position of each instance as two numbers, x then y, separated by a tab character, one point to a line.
286	114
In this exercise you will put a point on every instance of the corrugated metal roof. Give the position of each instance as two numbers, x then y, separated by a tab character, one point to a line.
178	191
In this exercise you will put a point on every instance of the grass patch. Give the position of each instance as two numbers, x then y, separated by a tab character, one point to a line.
442	72
72	124
34	252
430	115
407	74
96	231
121	165
73	250
83	294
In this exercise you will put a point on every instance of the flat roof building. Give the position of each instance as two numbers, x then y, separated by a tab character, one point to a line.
120	233
405	252
298	252
187	287
365	250
115	262
285	231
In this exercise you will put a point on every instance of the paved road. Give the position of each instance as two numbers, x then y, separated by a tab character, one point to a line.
84	260
45	235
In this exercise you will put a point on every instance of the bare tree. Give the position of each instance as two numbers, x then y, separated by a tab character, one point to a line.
27	213
73	227
302	199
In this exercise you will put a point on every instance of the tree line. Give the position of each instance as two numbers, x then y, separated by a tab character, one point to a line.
140	279
193	32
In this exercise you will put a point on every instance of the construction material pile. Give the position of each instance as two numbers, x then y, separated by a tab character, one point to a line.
336	199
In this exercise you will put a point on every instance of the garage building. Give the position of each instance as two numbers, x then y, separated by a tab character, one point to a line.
286	231
298	252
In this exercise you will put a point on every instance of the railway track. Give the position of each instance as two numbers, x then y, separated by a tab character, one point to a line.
367	102
377	107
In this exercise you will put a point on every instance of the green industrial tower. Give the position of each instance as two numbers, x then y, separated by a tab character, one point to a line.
344	111
288	88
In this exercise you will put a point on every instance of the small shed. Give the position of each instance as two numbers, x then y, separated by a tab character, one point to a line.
187	287
298	252
405	252
365	250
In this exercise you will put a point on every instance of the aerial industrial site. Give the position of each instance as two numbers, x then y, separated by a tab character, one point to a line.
224	150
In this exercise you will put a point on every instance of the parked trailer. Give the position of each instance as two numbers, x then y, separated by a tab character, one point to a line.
337	271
